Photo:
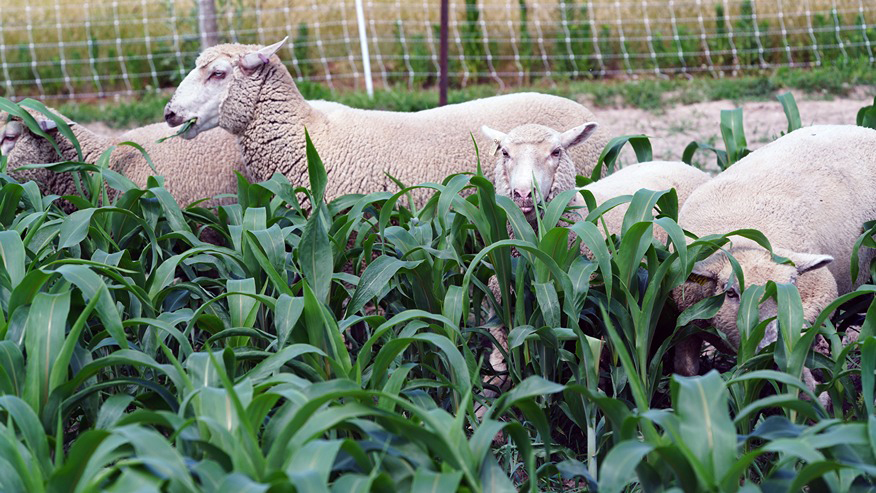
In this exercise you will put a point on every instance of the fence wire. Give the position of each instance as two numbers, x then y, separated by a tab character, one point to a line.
98	48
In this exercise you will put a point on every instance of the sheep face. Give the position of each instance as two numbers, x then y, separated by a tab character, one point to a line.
201	95
21	146
712	276
534	159
11	133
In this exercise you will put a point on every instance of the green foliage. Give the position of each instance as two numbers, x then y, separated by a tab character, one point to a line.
791	111
339	346
525	49
473	40
745	34
303	62
733	136
867	116
574	43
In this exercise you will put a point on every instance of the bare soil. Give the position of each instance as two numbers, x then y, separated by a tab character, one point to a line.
671	129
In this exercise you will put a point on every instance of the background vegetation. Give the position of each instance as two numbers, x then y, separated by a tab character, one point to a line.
650	94
105	46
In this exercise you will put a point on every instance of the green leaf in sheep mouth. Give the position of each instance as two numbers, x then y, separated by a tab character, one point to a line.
183	129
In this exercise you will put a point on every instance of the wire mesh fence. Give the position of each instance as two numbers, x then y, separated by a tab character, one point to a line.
102	47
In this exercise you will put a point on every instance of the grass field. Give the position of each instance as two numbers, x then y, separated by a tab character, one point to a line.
342	347
646	93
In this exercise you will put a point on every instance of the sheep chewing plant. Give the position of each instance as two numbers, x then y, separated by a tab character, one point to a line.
341	348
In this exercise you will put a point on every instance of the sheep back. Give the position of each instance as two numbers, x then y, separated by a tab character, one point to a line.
808	191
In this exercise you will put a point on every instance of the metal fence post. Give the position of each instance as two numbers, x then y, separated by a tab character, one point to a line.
363	43
442	61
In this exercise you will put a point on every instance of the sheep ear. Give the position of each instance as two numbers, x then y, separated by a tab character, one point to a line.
268	51
703	275
577	135
806	262
13	128
46	125
252	61
494	135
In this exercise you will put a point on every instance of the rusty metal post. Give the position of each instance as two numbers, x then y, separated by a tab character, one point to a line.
442	61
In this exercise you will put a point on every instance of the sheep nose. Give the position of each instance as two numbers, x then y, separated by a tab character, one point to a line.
172	118
520	194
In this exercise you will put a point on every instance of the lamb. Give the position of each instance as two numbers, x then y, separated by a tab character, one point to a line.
247	91
216	155
537	152
809	192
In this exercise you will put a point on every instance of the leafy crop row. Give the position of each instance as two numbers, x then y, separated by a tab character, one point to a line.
342	347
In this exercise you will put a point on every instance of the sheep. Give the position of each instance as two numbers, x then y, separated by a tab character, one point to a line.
216	156
535	152
246	90
809	192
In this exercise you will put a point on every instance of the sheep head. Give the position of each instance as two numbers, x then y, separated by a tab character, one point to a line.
21	146
712	276
218	72
535	157
11	133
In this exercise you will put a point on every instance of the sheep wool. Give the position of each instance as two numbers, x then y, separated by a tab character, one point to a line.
652	175
809	192
264	108
192	170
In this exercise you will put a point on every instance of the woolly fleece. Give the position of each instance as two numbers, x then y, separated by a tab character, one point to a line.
809	192
192	170
268	113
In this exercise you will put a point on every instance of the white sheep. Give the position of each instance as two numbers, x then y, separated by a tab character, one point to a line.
215	157
535	152
247	91
809	192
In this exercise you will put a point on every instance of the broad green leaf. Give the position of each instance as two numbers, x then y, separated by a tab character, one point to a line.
373	281
493	478
548	303
31	430
791	111
43	339
432	482
705	425
315	171
315	257
620	463
241	308
75	228
12	367
640	143
286	314
12	255
91	285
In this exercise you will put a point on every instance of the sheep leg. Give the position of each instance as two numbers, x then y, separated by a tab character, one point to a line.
496	359
687	356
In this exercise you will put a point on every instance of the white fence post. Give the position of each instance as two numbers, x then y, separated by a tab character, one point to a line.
363	42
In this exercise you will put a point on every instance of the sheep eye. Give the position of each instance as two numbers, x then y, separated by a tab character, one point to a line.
732	293
217	74
505	154
556	152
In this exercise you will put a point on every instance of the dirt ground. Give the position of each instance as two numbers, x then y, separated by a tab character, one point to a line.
671	129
